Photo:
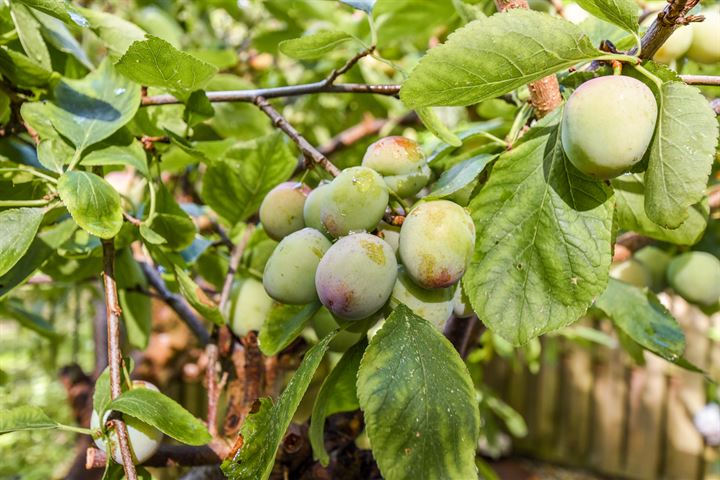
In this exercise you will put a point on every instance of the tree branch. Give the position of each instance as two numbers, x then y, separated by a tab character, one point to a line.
114	353
176	302
711	80
310	152
672	16
279	92
348	65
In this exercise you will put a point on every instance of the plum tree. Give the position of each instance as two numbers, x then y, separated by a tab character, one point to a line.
249	307
144	439
436	243
607	125
632	272
289	275
696	277
655	262
401	162
313	204
705	46
281	211
356	276
435	305
356	201
323	323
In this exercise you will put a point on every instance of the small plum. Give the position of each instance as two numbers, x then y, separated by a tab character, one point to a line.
324	323
705	47
289	275
656	262
356	276
356	202
401	162
696	277
632	272
435	305
281	211
313	204
607	125
249	307
436	243
144	439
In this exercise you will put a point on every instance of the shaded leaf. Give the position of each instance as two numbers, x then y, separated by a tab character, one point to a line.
315	45
26	417
21	70
58	35
18	227
433	123
623	13
197	298
30	320
460	175
53	153
197	108
93	203
284	324
30	36
117	34
124	155
137	317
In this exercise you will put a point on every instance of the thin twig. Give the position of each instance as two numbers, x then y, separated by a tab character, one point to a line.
712	80
368	127
114	354
305	147
129	218
176	302
279	92
213	392
672	16
235	256
348	65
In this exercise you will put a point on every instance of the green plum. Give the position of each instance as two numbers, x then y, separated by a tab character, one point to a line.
281	211
696	277
632	272
401	162
356	276
356	202
434	305
705	46
656	262
324	323
436	243
289	275
311	211
607	125
249	306
144	439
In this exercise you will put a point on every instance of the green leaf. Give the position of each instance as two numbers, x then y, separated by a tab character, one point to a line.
460	175
315	45
33	113
53	153
29	34
91	109
137	317
163	413
681	154
264	429
643	318
156	63
101	393
419	402
93	203
58	9
543	239
151	236
338	393
197	298
58	35
630	213
283	325
197	108
433	123
623	13
22	71
18	227
235	185
116	33
124	155
171	222
493	56
31	321
26	417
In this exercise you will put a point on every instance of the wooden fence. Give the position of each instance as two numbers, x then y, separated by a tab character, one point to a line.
590	407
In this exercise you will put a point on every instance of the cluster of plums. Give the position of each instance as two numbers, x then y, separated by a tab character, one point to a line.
335	247
694	275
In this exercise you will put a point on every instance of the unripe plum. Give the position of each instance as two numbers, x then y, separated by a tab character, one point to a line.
281	211
696	277
311	211
435	305
324	323
356	202
356	276
250	306
705	46
391	234
632	272
607	125
401	162
289	275
656	262
436	243
144	439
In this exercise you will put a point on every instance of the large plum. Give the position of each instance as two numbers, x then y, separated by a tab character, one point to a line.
281	211
356	202
607	125
144	439
289	275
356	276
436	243
705	46
401	162
434	305
696	277
249	306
